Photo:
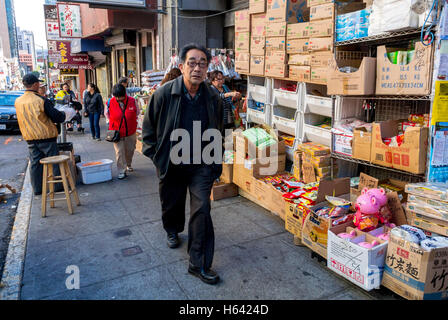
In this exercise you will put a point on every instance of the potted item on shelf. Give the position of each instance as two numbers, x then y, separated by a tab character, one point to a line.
352	76
405	72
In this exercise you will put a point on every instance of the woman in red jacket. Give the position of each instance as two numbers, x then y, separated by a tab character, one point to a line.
120	105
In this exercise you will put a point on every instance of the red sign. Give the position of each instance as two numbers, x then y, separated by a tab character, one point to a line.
71	61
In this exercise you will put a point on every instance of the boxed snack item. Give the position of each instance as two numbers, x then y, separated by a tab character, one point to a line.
257	6
428	207
242	21
257	46
242	62
293	219
299	60
298	30
320	44
345	79
314	149
321	28
291	11
409	156
257	65
276	29
413	78
258	25
297	46
367	271
428	223
321	58
242	41
275	44
299	73
432	190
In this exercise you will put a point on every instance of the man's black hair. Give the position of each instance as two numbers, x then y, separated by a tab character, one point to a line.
123	80
119	90
191	46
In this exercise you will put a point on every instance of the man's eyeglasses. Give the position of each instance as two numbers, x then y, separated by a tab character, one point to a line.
193	64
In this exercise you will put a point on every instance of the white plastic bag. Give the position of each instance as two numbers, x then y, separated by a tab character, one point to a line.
69	112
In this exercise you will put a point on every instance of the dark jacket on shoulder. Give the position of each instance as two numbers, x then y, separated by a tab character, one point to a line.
162	117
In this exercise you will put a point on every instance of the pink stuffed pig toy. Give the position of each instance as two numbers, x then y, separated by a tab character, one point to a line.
380	195
367	211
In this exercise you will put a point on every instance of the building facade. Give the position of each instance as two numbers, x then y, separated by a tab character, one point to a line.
25	42
8	33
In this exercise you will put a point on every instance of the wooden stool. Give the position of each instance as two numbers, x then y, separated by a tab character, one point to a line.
49	180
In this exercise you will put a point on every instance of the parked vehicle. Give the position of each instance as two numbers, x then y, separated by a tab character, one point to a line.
8	117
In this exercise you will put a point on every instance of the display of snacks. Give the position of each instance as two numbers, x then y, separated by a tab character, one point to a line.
314	149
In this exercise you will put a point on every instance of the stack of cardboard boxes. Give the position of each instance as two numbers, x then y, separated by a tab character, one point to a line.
242	41
321	38
315	162
257	42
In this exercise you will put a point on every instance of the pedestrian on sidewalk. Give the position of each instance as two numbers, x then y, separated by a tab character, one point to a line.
129	89
37	117
94	108
123	117
182	104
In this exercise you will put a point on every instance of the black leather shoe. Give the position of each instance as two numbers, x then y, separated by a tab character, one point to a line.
173	240
208	276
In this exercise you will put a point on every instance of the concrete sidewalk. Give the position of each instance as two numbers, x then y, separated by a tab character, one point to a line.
117	240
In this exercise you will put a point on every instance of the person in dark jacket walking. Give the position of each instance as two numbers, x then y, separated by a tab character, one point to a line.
94	108
179	106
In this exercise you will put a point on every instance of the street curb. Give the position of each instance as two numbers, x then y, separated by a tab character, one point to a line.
15	258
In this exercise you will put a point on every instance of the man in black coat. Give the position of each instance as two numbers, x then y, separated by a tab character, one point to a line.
176	110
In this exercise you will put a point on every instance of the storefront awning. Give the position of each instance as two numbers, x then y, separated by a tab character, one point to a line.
87	45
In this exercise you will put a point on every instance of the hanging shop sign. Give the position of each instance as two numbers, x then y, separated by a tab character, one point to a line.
52	28
51	12
69	61
69	71
69	17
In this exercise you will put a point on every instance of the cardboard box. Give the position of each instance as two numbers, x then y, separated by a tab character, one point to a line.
322	11
312	3
227	173
242	62
257	65
242	21
314	149
321	58
361	82
317	162
276	29
266	166
427	223
258	25
342	144
293	219
361	144
223	191
320	44
413	78
257	46
275	44
298	30
410	156
245	149
257	6
362	266
319	74
291	11
394	185
242	41
321	28
276	64
294	46
414	273
299	60
315	228
300	73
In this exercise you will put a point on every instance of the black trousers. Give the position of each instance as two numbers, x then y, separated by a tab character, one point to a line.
173	192
39	151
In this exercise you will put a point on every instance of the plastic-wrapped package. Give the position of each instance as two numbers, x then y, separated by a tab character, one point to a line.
434	190
390	15
69	111
434	243
409	233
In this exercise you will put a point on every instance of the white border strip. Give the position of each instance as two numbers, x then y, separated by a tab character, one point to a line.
15	258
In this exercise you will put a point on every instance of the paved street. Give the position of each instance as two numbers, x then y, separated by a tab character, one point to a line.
13	163
117	241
